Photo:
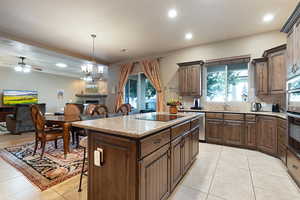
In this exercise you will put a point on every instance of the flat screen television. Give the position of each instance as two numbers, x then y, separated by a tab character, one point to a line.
13	97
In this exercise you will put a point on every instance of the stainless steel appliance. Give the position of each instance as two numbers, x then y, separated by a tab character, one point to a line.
293	95
294	133
255	107
293	111
196	105
202	128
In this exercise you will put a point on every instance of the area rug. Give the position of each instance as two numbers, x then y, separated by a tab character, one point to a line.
52	169
3	129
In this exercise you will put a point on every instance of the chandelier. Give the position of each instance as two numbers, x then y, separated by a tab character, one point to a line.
22	66
93	72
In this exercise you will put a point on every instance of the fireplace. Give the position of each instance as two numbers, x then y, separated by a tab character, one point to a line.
92	98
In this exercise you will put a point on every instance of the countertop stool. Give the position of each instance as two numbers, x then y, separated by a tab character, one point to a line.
83	144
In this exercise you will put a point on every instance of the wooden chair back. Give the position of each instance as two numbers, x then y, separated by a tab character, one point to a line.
90	109
100	110
72	109
38	119
124	109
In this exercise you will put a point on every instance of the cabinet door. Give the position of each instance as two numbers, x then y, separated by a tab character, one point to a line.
290	54
194	80
117	175
277	76
186	151
250	135
176	161
267	134
282	153
214	131
233	133
155	175
261	78
183	81
195	143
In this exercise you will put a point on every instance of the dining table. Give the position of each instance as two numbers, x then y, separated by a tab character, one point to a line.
64	121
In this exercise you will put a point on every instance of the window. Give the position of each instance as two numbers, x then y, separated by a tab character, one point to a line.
227	82
140	93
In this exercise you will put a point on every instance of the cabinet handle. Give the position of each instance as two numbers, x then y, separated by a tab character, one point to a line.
295	167
157	141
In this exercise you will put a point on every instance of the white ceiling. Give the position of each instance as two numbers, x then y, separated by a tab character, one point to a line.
141	26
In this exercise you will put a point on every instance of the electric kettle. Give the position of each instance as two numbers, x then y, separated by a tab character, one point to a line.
255	107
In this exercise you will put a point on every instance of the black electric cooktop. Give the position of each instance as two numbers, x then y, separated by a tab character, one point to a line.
159	117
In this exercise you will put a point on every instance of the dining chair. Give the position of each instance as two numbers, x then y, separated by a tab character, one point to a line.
73	110
101	111
125	109
83	144
42	133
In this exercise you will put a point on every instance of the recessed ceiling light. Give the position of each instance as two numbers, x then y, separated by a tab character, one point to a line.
172	13
268	17
123	50
61	65
188	36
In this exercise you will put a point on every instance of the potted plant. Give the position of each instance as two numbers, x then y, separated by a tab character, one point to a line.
173	106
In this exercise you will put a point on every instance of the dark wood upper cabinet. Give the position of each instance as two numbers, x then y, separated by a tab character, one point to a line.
267	135
261	77
190	78
270	72
277	75
155	175
233	133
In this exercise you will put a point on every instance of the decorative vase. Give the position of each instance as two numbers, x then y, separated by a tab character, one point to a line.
173	110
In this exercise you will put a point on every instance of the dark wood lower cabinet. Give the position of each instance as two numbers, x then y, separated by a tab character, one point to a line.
214	131
293	165
116	178
250	135
177	161
233	133
267	135
146	168
155	175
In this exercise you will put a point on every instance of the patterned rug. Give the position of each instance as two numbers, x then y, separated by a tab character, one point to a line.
52	169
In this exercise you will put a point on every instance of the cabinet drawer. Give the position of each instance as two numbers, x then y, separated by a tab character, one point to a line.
214	115
235	117
251	118
152	143
282	123
195	122
180	129
293	164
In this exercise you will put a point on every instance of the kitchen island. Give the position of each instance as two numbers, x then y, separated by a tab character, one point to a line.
140	157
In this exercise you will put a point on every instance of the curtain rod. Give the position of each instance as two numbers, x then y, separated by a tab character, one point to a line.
138	61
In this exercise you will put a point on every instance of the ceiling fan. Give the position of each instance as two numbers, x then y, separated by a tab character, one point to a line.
22	66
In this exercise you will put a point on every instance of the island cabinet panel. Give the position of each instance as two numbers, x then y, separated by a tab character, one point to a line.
233	133
116	178
293	165
180	129
176	161
154	142
155	175
250	135
186	151
267	135
214	131
194	143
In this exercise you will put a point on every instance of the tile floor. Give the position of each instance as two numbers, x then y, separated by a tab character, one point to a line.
220	173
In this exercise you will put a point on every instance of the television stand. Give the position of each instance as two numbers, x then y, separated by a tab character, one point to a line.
6	110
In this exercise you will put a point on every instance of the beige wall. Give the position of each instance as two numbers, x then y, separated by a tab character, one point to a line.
254	45
46	85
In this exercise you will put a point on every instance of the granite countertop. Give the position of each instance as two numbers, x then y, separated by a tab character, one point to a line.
275	114
130	126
